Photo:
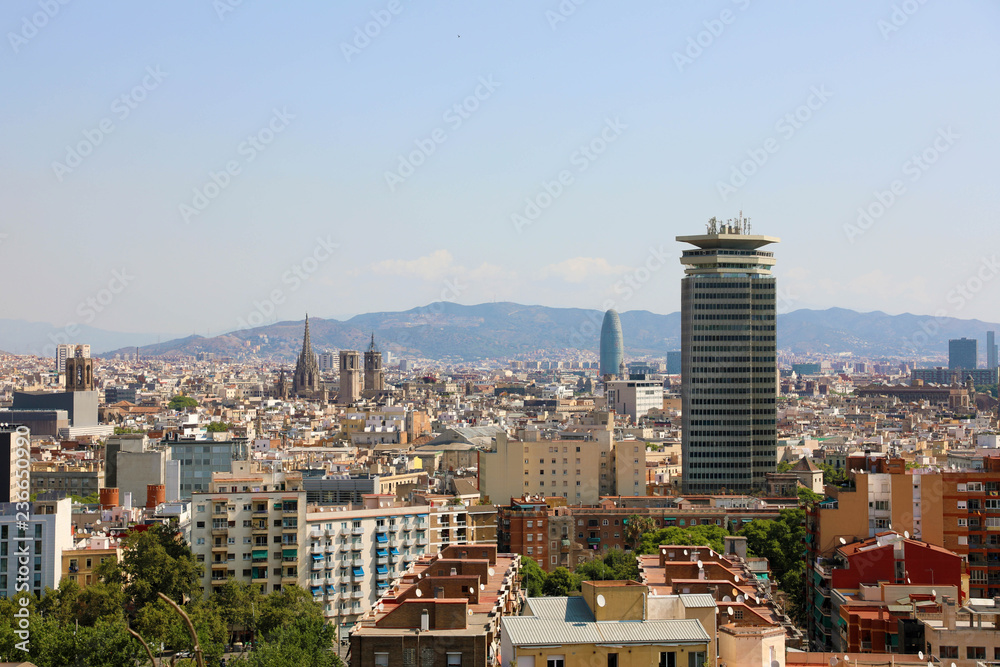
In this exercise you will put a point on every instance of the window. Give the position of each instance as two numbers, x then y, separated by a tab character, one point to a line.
381	660
668	659
612	660
949	651
555	661
454	660
696	658
975	652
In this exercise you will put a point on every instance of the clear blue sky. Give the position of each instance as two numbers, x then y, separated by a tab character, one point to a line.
672	132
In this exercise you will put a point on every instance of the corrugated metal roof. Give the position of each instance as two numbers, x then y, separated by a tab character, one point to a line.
567	609
530	630
681	630
700	600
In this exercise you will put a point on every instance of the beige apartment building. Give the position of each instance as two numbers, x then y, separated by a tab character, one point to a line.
581	470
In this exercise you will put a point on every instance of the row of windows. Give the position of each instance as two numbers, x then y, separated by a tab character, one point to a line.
715	317
761	284
736	369
708	338
732	360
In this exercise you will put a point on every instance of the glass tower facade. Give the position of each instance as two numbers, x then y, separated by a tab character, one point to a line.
728	372
612	348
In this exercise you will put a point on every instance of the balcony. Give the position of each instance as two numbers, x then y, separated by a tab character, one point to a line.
220	530
357	595
357	531
408	543
356	545
318	565
220	547
289	580
382	560
421	541
358	562
258	529
217	565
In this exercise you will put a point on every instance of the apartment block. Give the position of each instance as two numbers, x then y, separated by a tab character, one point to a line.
446	612
580	470
42	540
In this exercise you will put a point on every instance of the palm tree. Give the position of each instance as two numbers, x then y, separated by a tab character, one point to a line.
635	527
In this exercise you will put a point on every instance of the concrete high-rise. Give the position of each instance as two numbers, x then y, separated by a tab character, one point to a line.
991	349
612	349
728	359
963	354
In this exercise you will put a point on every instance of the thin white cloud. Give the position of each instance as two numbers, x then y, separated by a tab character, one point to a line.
579	269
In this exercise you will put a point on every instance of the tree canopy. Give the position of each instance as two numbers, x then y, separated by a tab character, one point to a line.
182	402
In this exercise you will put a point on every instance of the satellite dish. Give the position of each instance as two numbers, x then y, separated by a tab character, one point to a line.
906	534
775	663
491	571
470	612
833	661
737	578
482	587
420	593
920	654
726	598
663	551
953	665
756	599
601	601
685	552
729	610
735	592
717	611
934	593
843	541
381	606
700	564
740	599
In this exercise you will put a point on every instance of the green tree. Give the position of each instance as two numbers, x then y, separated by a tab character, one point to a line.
182	402
154	561
705	535
560	582
780	540
793	584
300	642
635	527
218	427
784	466
808	497
532	577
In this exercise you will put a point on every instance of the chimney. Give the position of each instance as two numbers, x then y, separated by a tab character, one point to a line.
948	613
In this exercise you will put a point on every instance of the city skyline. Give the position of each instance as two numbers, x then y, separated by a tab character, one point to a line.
277	168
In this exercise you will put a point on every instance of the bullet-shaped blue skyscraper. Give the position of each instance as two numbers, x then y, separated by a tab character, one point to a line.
612	350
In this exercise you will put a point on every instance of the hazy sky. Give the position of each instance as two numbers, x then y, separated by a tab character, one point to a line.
190	166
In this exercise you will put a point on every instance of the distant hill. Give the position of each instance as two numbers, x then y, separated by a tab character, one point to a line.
451	331
40	338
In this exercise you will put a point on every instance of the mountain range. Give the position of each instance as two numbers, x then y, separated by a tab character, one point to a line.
449	331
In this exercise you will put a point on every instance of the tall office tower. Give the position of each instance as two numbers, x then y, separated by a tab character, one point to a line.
728	359
65	351
674	363
306	378
962	354
79	374
991	349
612	353
373	367
350	377
14	446
326	361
